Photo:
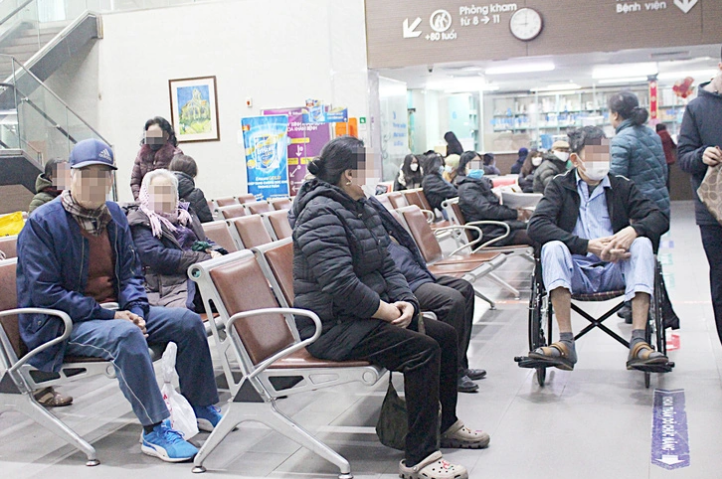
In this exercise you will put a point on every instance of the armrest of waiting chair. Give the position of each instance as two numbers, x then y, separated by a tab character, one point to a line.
467	227
492	241
263	365
430	216
68	328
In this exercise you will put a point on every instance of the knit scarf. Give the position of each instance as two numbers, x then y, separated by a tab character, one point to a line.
91	221
158	220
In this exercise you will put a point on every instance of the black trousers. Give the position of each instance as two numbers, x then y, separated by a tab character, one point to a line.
452	300
712	241
428	362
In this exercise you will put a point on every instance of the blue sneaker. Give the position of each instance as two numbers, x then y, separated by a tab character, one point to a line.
167	444
208	417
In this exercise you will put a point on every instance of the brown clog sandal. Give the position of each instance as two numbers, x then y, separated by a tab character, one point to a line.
546	354
642	355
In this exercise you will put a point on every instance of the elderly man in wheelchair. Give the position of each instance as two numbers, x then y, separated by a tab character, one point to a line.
596	233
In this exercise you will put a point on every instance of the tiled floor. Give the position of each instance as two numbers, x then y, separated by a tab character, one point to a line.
594	422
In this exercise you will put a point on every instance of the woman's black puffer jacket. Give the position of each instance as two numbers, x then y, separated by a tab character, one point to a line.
341	268
478	202
187	191
437	189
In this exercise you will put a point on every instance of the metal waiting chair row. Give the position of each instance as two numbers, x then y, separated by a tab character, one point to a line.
249	231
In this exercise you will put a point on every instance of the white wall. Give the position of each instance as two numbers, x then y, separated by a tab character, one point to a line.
277	52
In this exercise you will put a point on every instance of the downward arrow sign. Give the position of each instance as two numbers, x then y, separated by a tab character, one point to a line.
670	460
685	5
409	30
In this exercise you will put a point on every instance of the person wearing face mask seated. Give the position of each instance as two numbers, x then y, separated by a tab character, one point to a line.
451	165
489	166
157	150
596	232
169	239
436	188
342	271
74	255
528	171
478	203
410	174
553	164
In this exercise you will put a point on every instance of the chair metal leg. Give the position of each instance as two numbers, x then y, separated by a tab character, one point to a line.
27	405
266	413
505	285
479	294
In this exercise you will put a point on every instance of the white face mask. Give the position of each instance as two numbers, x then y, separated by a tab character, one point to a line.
536	161
562	155
448	169
596	170
369	188
414	166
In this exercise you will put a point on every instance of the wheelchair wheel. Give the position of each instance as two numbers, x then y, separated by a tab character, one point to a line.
655	333
540	323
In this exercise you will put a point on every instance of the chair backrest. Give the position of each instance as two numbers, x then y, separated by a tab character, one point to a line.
9	300
228	201
412	198
251	231
9	246
422	233
384	200
258	207
246	198
279	258
233	211
242	287
278	220
422	197
217	231
397	199
281	203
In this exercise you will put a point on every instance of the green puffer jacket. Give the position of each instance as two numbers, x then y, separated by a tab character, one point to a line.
46	193
637	154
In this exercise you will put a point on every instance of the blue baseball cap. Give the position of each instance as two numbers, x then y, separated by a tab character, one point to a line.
91	152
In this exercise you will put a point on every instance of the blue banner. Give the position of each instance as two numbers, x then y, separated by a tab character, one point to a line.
670	439
265	139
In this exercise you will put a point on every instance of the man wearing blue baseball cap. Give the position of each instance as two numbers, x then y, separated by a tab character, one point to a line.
75	254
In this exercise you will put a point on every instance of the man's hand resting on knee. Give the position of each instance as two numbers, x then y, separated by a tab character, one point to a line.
618	247
133	318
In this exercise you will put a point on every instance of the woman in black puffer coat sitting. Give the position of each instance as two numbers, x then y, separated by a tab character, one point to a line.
436	188
344	273
478	203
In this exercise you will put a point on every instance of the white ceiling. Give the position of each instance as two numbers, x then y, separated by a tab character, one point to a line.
673	65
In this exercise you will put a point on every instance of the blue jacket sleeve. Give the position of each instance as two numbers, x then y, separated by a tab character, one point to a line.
690	148
43	271
131	289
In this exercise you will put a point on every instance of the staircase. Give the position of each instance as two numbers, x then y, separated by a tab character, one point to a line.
35	124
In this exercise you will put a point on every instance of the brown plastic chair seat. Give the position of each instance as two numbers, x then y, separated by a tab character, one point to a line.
252	231
440	224
472	258
233	211
228	201
246	198
451	269
217	231
303	359
258	207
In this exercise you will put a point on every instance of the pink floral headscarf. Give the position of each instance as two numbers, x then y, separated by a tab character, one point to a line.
180	214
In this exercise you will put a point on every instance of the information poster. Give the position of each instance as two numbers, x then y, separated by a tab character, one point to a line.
265	139
306	140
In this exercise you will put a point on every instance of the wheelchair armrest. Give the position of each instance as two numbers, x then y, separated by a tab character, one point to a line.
68	328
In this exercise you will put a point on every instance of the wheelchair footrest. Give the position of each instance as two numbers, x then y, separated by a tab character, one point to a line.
655	368
531	363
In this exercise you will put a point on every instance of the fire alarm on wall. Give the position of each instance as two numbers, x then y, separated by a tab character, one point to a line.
249	102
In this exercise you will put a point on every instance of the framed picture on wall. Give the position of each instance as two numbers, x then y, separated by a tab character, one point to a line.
194	109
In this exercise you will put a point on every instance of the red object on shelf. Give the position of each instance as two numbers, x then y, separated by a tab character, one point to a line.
504	181
684	88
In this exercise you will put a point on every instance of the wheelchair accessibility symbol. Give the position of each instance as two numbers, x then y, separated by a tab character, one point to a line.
440	21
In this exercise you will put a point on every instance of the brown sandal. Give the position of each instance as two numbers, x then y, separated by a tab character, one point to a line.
49	397
562	361
642	354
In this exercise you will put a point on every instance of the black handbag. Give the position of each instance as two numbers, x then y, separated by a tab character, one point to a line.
392	425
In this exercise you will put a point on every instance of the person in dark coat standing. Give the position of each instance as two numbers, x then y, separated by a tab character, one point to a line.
344	273
185	169
670	148
479	203
637	151
451	299
700	147
516	167
436	188
453	145
169	239
157	150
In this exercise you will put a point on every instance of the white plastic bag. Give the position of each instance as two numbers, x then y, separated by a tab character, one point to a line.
182	417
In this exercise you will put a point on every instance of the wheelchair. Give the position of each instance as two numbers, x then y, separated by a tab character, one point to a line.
541	322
